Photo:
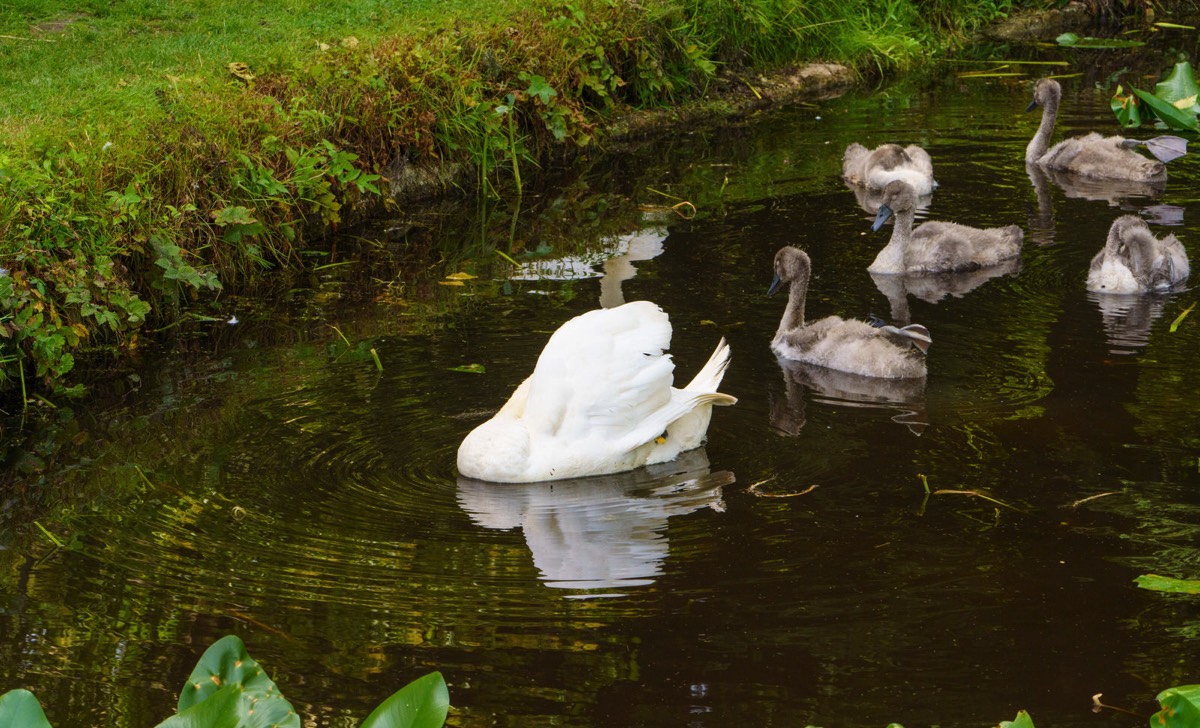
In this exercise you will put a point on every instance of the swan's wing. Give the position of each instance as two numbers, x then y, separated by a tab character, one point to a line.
920	159
600	371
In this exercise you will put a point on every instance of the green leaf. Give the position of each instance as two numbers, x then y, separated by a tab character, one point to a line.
1126	109
237	215
227	664
423	703
1171	116
1070	40
1181	707
219	709
20	709
539	88
469	369
1167	584
1021	721
1179	88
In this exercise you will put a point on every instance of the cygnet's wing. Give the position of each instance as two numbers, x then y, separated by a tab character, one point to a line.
602	372
920	159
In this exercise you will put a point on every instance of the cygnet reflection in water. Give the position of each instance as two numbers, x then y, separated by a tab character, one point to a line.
1128	318
600	533
933	287
612	263
1126	195
789	413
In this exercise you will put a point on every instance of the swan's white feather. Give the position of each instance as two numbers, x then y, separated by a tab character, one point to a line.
598	401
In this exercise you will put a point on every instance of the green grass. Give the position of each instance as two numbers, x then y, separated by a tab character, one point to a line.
97	65
139	175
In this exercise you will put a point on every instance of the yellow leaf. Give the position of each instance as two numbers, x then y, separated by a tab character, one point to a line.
451	283
241	70
1187	103
461	277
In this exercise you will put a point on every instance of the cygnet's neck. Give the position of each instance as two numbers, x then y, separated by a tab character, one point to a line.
1041	140
793	315
891	258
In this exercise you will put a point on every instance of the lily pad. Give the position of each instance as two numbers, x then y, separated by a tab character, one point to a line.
1179	88
1126	109
1168	114
1181	707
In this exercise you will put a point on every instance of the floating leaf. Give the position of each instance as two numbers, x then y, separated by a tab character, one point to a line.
1181	707
451	283
469	369
1155	582
1070	40
1171	116
1179	319
461	277
1165	24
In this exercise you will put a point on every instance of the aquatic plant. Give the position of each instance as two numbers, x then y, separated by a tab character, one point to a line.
229	689
1173	102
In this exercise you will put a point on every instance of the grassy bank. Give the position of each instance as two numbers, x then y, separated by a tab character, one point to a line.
156	154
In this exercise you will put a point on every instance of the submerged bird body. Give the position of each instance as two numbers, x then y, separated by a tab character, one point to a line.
935	246
847	345
1092	155
1134	261
600	400
874	168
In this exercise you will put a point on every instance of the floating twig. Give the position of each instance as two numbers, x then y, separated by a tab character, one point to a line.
754	489
977	494
1081	501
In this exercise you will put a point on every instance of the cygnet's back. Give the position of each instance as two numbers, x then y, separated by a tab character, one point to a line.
874	168
1134	261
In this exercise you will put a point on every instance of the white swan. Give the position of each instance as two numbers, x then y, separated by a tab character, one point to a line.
1093	155
599	401
874	168
1134	261
847	345
936	246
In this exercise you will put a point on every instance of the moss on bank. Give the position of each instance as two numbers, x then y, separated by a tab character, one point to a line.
229	174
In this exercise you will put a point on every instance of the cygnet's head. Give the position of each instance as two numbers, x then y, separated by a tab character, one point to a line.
1122	232
1045	91
791	263
898	196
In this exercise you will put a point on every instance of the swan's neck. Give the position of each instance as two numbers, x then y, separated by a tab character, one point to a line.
793	315
1041	140
891	258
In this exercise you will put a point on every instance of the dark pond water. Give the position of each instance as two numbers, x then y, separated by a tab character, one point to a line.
281	488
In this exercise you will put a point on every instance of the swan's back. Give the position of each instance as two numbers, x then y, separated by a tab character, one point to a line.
1101	157
874	168
1134	261
948	246
602	369
849	345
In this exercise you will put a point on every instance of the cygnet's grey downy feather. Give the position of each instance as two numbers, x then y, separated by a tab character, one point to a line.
935	246
874	168
1093	155
847	345
1134	261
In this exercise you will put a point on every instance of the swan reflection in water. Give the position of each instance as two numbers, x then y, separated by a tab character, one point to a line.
612	262
1130	196
789	412
933	287
1128	318
601	533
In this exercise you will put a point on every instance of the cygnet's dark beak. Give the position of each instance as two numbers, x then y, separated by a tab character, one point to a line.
775	283
881	217
1032	105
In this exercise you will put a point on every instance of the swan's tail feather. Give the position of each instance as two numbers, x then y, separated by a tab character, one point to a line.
710	375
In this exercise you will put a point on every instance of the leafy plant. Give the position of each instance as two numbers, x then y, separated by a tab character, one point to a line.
1173	102
228	689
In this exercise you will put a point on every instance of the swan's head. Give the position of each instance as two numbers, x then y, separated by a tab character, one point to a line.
1045	91
790	264
898	196
1123	230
